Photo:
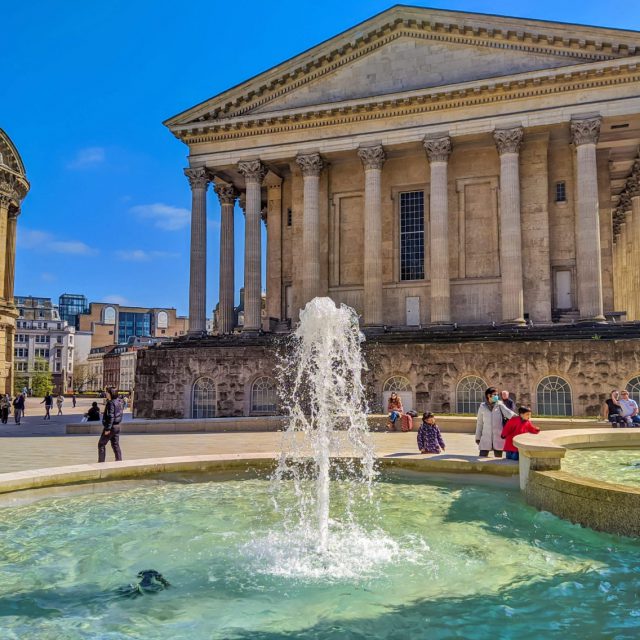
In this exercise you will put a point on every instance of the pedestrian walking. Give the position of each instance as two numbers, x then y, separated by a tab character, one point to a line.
59	403
111	419
5	408
47	401
18	407
73	400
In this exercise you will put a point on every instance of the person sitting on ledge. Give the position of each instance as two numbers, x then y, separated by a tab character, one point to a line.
514	427
612	410
629	409
429	436
394	407
93	415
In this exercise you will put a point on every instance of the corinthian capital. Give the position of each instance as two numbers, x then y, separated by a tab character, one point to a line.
252	170
585	131
633	185
372	157
198	177
310	163
438	149
624	202
227	193
508	140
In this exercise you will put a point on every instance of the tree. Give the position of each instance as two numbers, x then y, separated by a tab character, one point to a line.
82	377
41	380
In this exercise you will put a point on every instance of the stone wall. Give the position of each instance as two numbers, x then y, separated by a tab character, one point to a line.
166	374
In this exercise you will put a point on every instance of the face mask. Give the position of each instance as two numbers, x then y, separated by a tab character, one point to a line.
494	398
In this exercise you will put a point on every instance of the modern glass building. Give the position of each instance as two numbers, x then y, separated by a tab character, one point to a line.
70	306
133	324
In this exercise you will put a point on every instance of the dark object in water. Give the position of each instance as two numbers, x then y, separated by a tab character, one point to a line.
151	581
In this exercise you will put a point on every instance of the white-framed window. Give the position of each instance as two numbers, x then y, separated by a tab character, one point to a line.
470	394
162	320
554	397
109	315
203	403
263	395
412	235
401	386
633	387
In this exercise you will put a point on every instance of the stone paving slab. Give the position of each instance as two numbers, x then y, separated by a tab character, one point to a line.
17	454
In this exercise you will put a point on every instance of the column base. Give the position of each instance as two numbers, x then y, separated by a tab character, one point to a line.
592	320
518	322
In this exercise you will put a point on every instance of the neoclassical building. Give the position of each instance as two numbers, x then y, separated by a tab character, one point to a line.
13	188
435	170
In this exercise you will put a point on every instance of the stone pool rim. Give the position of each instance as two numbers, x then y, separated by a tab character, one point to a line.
134	469
597	504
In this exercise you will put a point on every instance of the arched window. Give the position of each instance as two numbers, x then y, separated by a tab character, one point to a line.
162	320
554	397
402	387
204	399
109	315
263	395
470	394
633	387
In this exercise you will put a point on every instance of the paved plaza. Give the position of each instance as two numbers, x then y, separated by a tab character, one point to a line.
37	443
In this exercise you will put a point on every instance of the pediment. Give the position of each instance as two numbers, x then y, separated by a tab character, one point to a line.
408	64
409	48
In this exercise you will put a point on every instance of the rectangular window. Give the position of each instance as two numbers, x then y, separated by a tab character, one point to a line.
561	192
289	217
412	235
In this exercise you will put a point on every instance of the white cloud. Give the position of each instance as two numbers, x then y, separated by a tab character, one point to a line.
163	216
140	255
116	299
87	157
73	247
44	241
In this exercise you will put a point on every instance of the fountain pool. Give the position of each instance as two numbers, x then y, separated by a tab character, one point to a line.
621	466
431	561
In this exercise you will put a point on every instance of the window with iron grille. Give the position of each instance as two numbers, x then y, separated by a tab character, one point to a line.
204	399
561	192
554	397
412	235
289	217
470	394
263	395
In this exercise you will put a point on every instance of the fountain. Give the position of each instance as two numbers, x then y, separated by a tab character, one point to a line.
339	556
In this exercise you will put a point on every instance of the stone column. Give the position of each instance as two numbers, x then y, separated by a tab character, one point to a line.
199	180
372	159
311	165
508	142
253	172
274	245
227	196
584	135
633	185
10	268
438	151
5	202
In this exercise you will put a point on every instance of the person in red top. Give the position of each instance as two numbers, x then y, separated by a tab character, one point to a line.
514	427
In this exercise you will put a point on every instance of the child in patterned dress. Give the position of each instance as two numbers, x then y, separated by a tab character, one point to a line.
429	436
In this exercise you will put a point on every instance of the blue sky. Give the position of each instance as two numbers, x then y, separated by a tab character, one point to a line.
85	88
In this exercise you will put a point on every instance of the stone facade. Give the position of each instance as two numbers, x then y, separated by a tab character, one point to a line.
428	168
13	189
519	141
166	374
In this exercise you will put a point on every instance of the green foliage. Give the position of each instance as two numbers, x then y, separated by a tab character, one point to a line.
19	383
42	380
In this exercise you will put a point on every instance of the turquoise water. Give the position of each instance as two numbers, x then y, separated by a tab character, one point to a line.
621	466
428	560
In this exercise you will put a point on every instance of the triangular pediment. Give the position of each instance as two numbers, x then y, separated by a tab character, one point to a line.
409	64
411	48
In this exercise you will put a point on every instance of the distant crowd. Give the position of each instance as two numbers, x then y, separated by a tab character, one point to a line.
499	422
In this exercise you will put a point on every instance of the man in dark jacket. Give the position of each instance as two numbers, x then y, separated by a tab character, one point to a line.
18	407
111	419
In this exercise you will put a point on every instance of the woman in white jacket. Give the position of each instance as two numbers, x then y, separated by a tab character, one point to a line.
491	416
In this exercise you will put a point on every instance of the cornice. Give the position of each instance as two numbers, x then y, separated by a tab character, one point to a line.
586	44
494	90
